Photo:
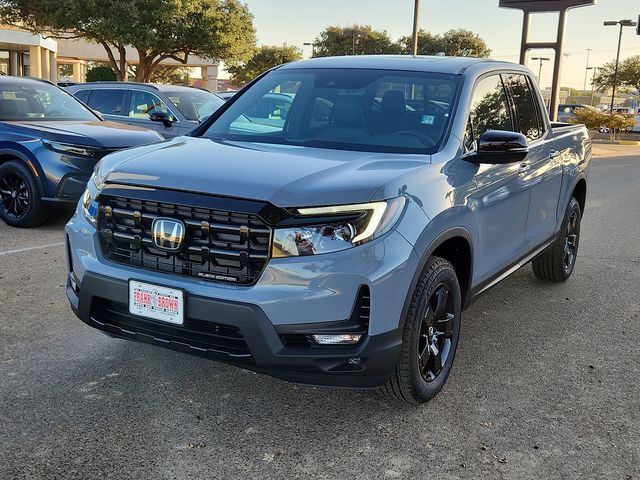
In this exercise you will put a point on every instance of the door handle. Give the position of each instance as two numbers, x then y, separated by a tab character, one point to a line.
554	154
524	167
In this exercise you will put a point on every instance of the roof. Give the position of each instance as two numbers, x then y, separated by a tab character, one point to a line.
25	80
420	63
151	86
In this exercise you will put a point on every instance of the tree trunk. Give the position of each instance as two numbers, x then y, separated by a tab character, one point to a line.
119	67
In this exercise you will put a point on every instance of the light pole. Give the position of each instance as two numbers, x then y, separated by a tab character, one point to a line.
584	87
622	23
416	10
595	71
541	59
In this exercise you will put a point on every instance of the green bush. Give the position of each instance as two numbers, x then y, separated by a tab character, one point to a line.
101	73
594	119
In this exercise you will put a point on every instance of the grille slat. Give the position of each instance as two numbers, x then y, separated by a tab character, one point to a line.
218	245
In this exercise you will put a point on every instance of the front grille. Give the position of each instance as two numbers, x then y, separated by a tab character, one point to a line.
195	336
218	245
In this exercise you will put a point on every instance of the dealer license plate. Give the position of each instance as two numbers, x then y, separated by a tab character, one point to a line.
156	302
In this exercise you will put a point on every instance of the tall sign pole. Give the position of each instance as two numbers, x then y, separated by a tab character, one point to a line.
537	6
416	11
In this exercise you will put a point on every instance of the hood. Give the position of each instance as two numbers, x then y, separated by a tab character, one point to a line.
92	133
285	176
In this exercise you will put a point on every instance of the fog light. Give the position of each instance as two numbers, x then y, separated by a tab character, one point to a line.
357	361
339	339
74	285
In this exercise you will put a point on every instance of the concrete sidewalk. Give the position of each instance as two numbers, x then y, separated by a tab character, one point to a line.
604	150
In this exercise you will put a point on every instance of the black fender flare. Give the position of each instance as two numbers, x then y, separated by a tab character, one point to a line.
439	239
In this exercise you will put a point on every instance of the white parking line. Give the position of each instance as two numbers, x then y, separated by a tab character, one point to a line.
28	249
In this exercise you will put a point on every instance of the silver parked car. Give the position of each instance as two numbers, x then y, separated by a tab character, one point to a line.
168	109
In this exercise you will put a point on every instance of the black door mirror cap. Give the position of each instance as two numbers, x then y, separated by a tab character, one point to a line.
163	117
500	146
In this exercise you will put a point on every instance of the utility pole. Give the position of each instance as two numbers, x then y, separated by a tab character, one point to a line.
586	70
416	11
595	71
622	23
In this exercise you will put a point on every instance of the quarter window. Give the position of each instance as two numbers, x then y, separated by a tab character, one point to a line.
107	101
529	123
489	110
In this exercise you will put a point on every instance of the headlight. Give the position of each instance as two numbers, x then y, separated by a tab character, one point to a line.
346	226
71	149
89	204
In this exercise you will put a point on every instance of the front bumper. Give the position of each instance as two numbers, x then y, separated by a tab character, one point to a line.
292	295
253	342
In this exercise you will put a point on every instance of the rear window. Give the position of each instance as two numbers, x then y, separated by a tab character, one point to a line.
109	101
353	109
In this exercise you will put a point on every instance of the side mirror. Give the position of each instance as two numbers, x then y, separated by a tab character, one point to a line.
164	117
500	146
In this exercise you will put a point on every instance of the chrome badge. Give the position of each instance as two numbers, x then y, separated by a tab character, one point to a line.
168	234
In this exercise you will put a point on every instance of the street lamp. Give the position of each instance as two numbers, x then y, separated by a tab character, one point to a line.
622	23
541	59
595	71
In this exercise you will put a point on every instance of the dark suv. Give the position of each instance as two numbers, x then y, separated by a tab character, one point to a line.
169	109
49	144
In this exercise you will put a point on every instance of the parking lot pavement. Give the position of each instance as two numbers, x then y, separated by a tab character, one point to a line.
546	383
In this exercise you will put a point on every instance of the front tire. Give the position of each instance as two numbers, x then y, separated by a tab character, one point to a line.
430	335
20	204
556	263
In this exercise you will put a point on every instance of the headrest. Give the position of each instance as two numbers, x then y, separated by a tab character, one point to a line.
393	102
347	112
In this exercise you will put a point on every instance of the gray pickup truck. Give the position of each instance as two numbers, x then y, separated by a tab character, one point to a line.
334	240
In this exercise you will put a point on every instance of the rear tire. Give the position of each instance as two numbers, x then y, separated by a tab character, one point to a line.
20	199
430	336
556	263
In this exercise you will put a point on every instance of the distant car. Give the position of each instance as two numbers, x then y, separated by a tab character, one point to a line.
227	95
567	112
169	109
49	145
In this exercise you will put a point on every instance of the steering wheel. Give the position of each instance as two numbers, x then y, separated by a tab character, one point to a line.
419	135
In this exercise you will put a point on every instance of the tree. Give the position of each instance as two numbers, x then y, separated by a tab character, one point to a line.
101	73
356	39
454	43
263	59
171	75
156	29
628	74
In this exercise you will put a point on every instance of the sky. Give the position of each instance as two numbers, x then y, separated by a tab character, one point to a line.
297	21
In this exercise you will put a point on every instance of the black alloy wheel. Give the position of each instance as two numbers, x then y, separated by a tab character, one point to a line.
436	332
20	197
14	195
571	241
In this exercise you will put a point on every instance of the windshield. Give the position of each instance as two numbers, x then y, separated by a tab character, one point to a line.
30	101
195	104
350	109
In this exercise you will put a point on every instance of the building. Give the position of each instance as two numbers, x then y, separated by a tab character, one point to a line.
23	53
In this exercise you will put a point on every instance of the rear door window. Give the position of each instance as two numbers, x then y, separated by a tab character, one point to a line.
82	95
526	107
107	101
